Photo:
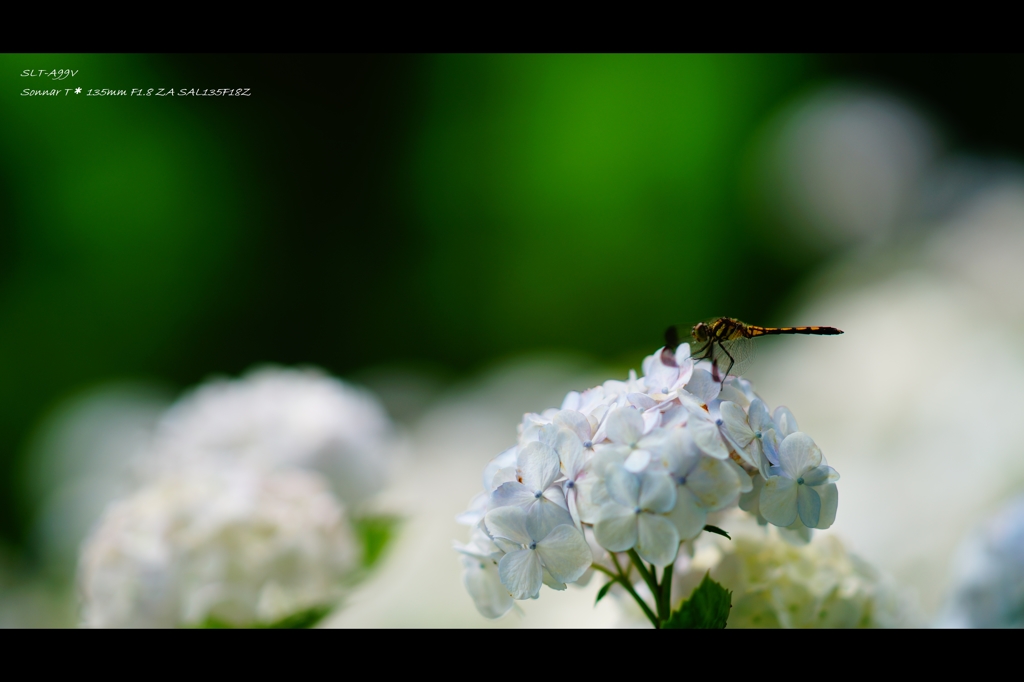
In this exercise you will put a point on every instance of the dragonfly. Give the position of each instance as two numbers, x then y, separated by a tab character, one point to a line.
727	341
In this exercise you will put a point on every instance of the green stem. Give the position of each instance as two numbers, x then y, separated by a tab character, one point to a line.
624	581
665	604
648	578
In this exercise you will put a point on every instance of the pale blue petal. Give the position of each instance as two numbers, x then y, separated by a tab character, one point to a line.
521	574
624	426
778	500
508	522
623	486
544	516
507	546
658	539
539	466
657	492
565	553
786	421
574	512
513	493
483	583
746	485
550	581
821	475
734	421
708	439
758	417
616	530
829	504
749	500
770	446
714	483
798	454
808	505
606	456
688	516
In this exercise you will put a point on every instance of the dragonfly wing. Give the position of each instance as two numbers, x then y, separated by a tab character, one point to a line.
739	353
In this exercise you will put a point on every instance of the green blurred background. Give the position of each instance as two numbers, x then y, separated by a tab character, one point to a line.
430	212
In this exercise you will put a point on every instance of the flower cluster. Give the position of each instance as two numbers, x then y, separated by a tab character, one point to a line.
988	585
233	547
778	583
247	514
636	466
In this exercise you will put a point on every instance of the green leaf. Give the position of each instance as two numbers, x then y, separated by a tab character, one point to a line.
297	621
716	530
375	533
707	608
603	591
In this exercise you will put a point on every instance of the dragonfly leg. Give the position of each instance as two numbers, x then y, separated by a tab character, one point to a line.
732	362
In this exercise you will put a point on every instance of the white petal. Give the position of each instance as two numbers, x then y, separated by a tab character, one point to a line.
520	573
591	495
658	539
545	515
571	401
507	546
513	493
570	452
574	512
808	505
734	420
778	500
508	474
703	386
749	500
617	529
657	492
688	516
482	582
660	377
637	461
623	486
798	454
565	553
685	370
508	522
624	426
538	465
641	401
708	439
505	459
829	504
714	483
574	421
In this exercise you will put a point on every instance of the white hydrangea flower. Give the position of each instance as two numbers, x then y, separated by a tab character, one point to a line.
235	545
535	552
273	418
803	486
778	584
639	464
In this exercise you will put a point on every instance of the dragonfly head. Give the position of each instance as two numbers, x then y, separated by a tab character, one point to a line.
700	332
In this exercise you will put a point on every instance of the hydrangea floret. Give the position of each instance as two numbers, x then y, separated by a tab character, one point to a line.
622	474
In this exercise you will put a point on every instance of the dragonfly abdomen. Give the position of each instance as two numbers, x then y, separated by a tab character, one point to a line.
767	331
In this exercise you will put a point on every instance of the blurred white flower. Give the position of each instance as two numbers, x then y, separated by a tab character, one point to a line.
232	546
988	587
83	456
273	418
778	584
